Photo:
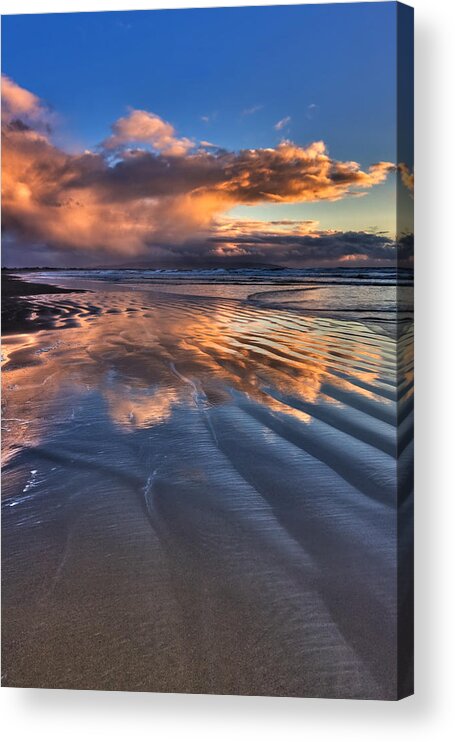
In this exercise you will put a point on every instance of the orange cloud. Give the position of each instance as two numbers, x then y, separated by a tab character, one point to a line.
17	101
407	177
20	104
143	127
172	194
240	227
290	173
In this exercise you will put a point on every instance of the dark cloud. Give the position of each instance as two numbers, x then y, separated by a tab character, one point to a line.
317	247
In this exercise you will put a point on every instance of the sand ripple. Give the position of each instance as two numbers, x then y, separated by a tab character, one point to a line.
200	495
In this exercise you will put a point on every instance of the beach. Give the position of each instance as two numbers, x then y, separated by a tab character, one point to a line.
200	482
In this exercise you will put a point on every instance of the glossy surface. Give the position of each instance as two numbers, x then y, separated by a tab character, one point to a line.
199	495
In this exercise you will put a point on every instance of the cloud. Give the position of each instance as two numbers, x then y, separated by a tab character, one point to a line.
241	227
143	127
282	123
20	105
293	242
158	200
311	110
407	176
209	117
252	110
264	243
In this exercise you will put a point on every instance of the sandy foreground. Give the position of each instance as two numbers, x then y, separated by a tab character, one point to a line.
200	495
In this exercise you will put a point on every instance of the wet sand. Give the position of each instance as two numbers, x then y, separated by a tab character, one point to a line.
199	495
19	311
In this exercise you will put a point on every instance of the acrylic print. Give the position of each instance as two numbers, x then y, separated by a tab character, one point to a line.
207	351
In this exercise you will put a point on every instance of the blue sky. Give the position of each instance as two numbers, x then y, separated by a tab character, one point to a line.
227	76
219	63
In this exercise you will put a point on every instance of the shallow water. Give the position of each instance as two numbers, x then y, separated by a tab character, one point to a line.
199	493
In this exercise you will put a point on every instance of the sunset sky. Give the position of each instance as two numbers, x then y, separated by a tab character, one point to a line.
189	137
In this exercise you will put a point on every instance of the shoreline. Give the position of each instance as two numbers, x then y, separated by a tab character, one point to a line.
18	305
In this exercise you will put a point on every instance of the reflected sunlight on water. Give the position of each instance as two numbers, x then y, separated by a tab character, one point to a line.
201	467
